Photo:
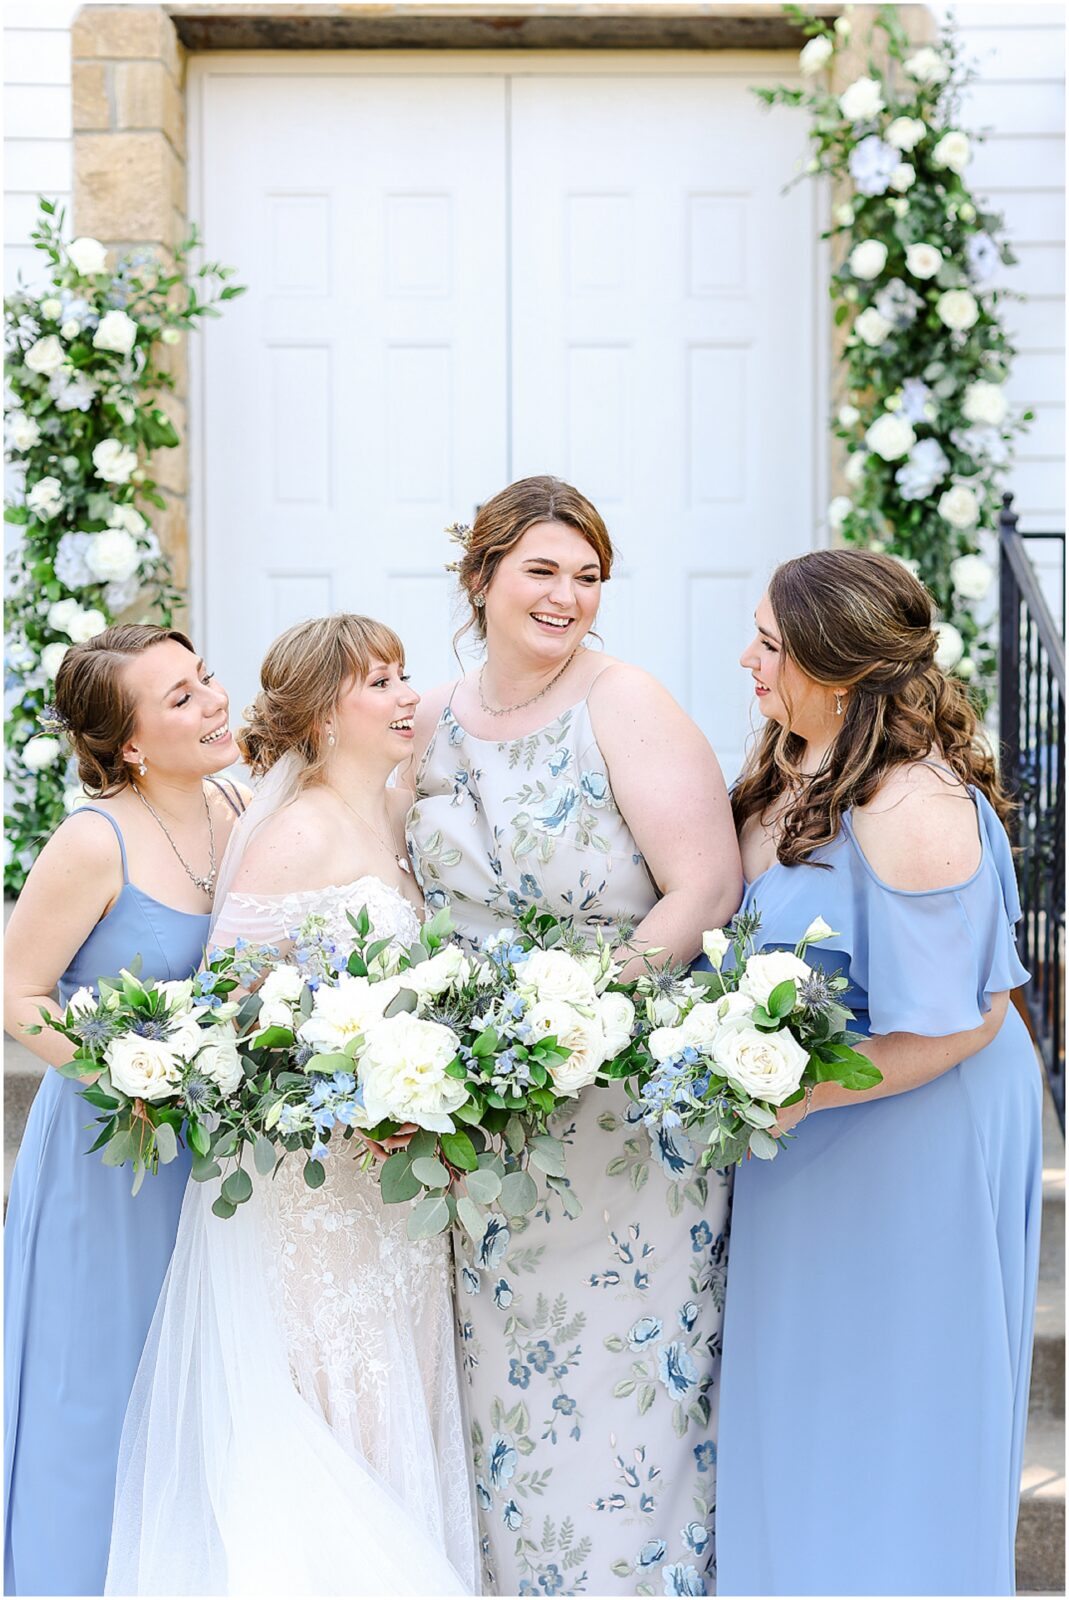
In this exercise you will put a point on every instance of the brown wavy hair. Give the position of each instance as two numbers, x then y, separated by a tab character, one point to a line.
96	705
502	522
303	675
859	621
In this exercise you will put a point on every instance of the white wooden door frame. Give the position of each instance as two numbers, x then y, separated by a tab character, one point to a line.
756	67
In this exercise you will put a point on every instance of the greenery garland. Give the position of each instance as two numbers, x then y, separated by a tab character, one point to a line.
84	376
923	412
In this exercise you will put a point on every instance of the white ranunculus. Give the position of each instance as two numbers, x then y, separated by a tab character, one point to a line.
112	555
906	133
51	656
617	1017
844	214
838	511
22	431
848	415
950	646
70	330
114	461
284	982
88	257
815	56
170	335
966	668
554	975
40	752
971	576
957	309
890	436
85	625
145	1069
127	517
220	1060
447	967
60	613
115	331
927	66
862	100
45	499
985	403
715	945
868	259
46	356
924	260
51	307
765	971
871	328
953	151
403	1075
342	1011
854	469
768	1066
959	506
903	177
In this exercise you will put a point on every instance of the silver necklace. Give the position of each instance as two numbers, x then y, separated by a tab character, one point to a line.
205	885
503	711
401	860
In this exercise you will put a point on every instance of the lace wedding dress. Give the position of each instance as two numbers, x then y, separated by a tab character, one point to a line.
295	1426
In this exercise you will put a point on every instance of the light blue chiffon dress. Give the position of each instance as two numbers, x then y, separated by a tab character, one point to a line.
878	1326
84	1262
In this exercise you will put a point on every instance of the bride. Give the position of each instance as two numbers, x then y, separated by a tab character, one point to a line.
295	1425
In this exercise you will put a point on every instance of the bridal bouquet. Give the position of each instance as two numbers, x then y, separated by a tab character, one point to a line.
728	1049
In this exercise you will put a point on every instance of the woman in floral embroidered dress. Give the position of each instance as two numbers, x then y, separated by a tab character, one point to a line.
559	777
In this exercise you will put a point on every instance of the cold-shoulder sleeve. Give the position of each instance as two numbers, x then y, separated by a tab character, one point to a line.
930	960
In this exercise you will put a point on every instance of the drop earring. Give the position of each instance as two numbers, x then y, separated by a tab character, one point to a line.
838	702
331	739
141	768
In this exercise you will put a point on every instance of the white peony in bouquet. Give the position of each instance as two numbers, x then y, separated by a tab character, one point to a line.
726	1049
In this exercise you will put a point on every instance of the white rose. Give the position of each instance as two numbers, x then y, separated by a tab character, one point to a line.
273	1014
715	945
87	257
177	992
665	1042
985	403
83	1002
891	436
971	576
448	966
902	178
924	260
115	331
23	431
112	556
342	1011
957	309
40	752
60	613
185	1036
114	461
967	213
585	1039
85	625
554	975
905	133
953	151
763	972
617	1017
701	1025
768	1066
868	259
403	1073
854	470
844	214
45	499
950	647
51	656
959	506
127	517
862	100
663	1010
815	56
838	511
871	328
927	66
145	1069
51	307
818	929
220	1060
170	335
70	330
848	415
46	356
284	982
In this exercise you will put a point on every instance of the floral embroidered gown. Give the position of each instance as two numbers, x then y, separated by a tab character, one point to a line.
591	1345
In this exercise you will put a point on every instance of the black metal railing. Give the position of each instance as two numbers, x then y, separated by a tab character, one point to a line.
1032	737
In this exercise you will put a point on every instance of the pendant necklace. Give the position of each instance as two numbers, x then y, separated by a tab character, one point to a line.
402	861
206	884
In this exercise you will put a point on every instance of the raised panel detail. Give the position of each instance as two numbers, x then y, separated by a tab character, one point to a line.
297	596
420	607
719	607
617	622
417	244
599	443
299	236
716	424
301	417
418	410
716	244
600	247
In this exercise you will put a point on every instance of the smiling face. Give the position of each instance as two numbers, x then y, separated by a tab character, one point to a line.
373	715
181	727
545	593
783	691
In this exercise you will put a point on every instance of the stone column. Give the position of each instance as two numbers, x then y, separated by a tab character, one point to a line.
127	76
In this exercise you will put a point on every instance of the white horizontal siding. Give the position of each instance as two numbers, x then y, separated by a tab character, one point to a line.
37	123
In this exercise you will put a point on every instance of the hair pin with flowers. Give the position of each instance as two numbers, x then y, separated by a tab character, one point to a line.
52	719
459	533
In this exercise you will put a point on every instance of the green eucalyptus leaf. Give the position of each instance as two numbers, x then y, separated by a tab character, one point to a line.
396	1180
237	1187
166	1143
483	1185
519	1194
263	1155
428	1218
430	1172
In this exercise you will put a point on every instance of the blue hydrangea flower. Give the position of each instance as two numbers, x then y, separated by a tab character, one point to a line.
519	1374
701	1236
676	1369
644	1331
502	1294
652	1552
503	1460
680	1579
705	1455
542	1356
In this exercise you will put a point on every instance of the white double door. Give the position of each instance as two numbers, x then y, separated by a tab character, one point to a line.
461	278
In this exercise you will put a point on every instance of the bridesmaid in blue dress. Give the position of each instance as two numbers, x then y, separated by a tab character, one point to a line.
878	1326
84	1261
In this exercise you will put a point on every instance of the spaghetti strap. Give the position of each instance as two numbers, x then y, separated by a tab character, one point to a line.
452	692
118	834
234	801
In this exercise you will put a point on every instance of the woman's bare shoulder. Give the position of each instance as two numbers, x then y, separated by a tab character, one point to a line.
919	831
